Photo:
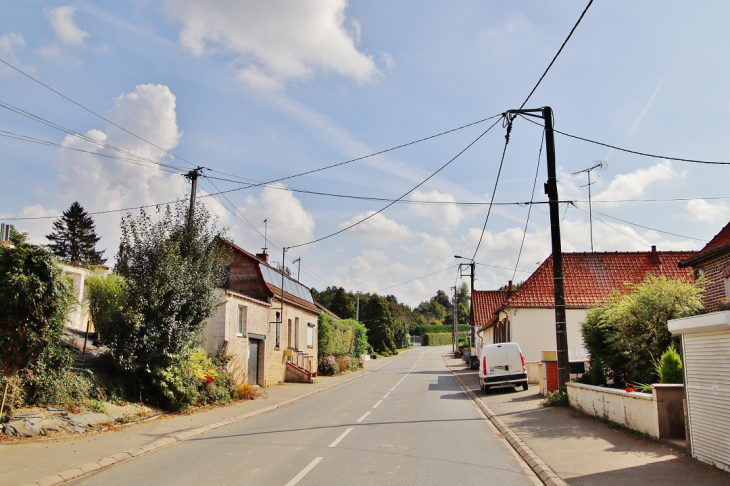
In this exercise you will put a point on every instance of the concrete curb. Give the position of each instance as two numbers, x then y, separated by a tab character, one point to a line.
158	444
538	466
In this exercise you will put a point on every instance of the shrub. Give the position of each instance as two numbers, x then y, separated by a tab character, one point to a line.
246	391
421	330
598	378
670	367
557	398
342	363
328	366
51	382
436	339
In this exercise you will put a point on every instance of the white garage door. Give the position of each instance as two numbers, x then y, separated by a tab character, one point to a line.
707	381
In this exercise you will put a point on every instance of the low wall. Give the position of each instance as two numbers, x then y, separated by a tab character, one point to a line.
534	371
634	410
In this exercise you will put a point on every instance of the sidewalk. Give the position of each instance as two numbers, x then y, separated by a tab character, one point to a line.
53	460
582	450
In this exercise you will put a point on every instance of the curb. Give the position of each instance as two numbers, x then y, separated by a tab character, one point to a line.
89	467
538	466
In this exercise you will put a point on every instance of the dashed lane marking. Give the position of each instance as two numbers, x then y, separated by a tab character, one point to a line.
362	418
342	436
304	472
376	405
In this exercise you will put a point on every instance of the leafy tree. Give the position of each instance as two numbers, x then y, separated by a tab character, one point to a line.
443	299
462	295
74	238
463	313
170	268
342	305
629	332
376	317
34	301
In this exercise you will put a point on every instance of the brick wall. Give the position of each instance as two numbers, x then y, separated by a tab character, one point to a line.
243	278
715	272
551	374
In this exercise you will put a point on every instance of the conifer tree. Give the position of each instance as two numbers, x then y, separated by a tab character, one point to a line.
74	238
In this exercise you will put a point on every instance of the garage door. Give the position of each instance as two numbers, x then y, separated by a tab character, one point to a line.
707	381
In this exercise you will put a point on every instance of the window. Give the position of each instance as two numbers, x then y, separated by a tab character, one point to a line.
310	335
288	335
278	322
241	327
296	333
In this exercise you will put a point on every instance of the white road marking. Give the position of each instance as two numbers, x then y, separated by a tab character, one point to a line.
342	436
304	472
362	418
393	388
376	405
386	395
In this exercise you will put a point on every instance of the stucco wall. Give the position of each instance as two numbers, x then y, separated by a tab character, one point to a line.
634	410
78	315
221	333
534	331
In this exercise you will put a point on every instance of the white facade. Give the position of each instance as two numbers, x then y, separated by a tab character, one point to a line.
534	330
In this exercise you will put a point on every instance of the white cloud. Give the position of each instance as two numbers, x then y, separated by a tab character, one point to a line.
9	44
101	184
446	215
288	222
633	184
377	229
702	211
63	25
277	39
390	64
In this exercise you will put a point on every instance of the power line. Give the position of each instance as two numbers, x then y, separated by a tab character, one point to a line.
634	152
496	182
651	229
94	113
417	278
644	242
557	54
404	195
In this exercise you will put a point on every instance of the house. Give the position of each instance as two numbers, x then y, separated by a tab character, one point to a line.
486	305
713	263
270	342
527	315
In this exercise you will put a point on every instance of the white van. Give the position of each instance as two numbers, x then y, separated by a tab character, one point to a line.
502	365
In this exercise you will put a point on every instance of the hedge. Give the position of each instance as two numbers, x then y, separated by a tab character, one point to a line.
341	337
421	330
438	338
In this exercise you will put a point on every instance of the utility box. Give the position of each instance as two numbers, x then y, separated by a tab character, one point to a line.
549	372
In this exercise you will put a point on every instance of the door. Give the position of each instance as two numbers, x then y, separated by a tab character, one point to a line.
253	361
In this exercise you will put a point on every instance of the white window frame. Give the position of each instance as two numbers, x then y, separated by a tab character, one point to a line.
310	335
241	320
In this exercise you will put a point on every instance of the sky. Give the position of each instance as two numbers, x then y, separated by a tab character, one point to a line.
256	91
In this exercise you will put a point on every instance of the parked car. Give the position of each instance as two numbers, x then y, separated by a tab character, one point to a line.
502	365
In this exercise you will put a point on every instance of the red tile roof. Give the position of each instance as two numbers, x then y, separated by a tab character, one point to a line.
486	302
719	244
592	277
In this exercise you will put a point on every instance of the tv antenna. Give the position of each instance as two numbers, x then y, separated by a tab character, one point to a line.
600	165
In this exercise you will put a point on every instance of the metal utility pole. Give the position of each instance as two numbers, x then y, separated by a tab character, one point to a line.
266	229
590	207
551	189
472	332
281	321
193	177
455	319
298	261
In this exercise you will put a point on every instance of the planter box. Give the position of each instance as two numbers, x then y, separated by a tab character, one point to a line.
658	414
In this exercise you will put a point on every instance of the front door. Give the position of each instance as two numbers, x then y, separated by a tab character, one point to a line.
253	361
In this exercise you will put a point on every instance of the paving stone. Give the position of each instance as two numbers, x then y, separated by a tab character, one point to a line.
71	473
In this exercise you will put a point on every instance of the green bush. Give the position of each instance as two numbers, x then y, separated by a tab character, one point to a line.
328	366
556	398
598	377
436	339
421	330
51	382
670	367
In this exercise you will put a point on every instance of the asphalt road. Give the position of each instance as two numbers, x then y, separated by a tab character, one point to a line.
407	423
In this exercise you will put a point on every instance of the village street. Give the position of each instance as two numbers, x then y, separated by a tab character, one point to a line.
407	423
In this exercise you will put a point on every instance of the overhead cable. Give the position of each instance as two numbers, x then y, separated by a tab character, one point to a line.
529	208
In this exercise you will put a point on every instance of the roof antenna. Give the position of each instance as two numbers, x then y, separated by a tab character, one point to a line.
601	164
266	227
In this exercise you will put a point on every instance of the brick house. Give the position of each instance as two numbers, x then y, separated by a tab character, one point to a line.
713	263
486	305
270	343
527	315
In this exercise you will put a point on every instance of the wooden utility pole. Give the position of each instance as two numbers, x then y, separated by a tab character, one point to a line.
551	189
193	177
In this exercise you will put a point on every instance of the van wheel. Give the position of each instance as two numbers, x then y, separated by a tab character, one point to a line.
525	386
486	390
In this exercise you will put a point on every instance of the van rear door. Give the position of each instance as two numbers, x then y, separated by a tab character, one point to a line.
497	363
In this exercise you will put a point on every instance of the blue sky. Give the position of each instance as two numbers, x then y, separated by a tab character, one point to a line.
264	90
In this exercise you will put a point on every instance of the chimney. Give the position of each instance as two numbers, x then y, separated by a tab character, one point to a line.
509	287
654	255
263	256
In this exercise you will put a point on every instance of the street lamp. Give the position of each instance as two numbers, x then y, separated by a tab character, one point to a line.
472	332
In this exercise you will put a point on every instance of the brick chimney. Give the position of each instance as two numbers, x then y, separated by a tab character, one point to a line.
654	255
509	287
263	256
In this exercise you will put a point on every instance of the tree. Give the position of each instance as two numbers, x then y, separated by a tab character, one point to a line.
170	268
629	333
376	317
463	314
443	299
342	305
74	238
34	301
462	295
